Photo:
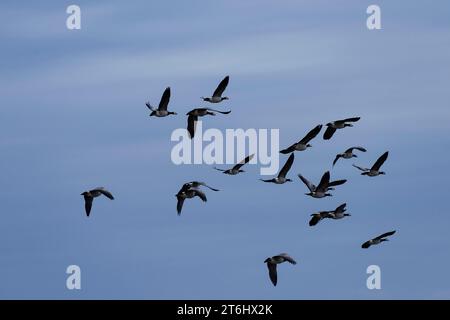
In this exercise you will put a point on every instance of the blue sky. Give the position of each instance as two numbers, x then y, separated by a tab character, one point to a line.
73	118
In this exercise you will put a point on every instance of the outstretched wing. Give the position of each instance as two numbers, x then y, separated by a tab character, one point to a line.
191	124
310	186
105	192
286	166
180	201
221	87
196	184
324	181
272	272
222	112
380	161
350	119
384	235
311	135
200	194
366	244
329	133
360	168
288	258
341	208
336	183
246	160
355	148
336	159
164	100
315	220
88	204
288	150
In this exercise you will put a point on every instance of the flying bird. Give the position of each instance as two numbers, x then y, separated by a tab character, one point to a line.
281	178
336	214
317	217
217	95
199	112
348	154
338	124
190	190
324	185
272	265
377	240
161	111
94	193
375	170
303	144
237	168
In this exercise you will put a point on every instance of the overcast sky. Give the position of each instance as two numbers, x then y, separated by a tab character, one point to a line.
72	117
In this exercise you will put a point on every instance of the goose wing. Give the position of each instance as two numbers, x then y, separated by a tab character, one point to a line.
246	160
288	150
222	112
200	194
336	183
104	192
329	133
349	119
384	235
341	208
196	184
311	135
286	166
355	148
366	244
164	100
272	272
180	201
191	124
288	258
88	204
324	181
221	87
380	161
315	220
360	168
310	186
336	159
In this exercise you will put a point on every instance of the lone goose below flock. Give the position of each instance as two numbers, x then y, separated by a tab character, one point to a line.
272	265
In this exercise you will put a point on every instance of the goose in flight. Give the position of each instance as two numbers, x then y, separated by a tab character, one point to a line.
336	214
161	111
377	240
272	265
339	212
375	170
217	95
281	178
338	124
324	185
237	168
348	154
199	112
94	193
317	217
303	144
190	190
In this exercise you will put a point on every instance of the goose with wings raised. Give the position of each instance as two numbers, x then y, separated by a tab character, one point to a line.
303	144
161	111
237	168
338	124
375	170
281	178
217	95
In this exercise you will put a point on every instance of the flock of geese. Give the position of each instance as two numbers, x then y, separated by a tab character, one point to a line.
192	189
